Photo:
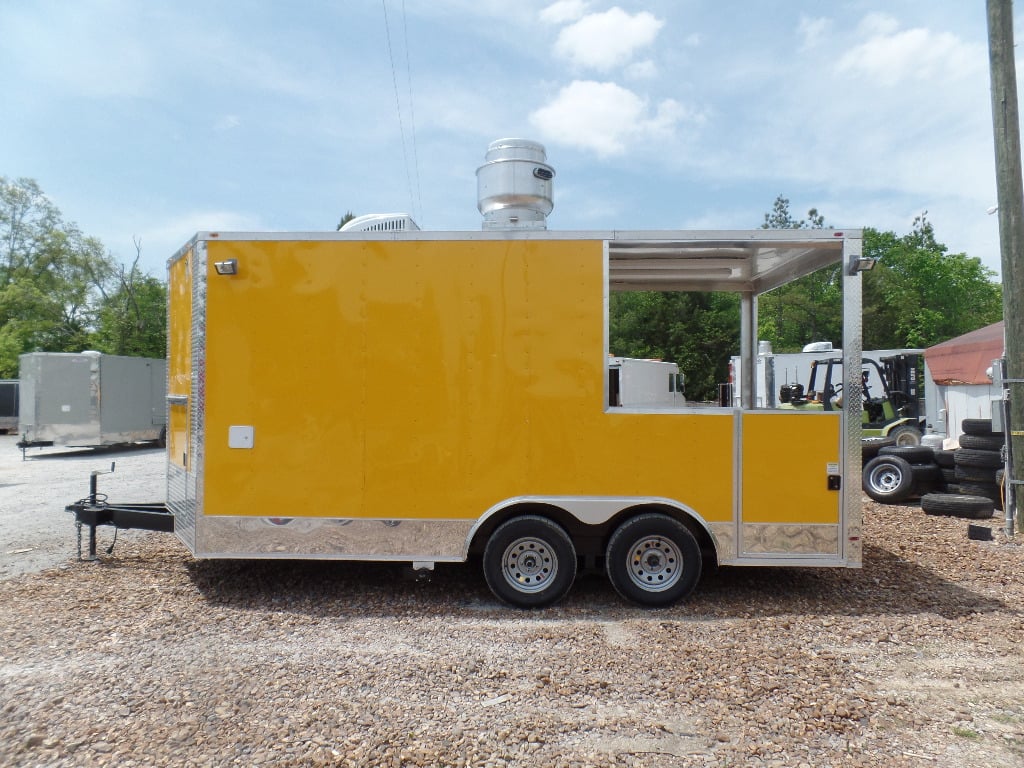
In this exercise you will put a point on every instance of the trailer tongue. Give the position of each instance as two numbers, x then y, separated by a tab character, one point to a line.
94	511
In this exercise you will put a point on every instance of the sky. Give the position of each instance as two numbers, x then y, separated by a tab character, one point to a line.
145	122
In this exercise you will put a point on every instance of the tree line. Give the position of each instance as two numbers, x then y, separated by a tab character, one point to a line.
60	291
918	295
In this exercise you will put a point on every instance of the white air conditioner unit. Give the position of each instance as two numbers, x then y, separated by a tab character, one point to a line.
381	222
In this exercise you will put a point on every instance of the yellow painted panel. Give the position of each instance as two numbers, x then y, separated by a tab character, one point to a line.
179	365
425	379
786	458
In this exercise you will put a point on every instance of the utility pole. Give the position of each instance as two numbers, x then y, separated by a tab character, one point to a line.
1010	191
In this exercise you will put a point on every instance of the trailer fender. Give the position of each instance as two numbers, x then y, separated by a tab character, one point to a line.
586	516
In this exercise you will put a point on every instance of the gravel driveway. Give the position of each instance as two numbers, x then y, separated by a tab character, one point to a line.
150	658
35	531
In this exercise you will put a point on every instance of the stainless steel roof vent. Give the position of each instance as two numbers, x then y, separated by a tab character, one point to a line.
514	187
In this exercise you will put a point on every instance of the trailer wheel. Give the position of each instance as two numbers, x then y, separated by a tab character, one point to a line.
529	562
888	479
653	560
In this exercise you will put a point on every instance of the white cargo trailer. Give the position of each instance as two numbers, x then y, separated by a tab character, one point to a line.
643	383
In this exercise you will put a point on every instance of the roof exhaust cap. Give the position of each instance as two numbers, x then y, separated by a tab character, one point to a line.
514	185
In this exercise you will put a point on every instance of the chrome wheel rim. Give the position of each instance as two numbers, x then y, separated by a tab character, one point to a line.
885	479
655	564
529	564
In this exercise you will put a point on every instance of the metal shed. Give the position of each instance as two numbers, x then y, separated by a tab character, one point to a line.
957	379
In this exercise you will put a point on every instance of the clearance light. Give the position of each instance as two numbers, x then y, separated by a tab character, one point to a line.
227	267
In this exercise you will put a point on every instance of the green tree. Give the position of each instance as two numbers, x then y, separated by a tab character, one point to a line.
805	310
345	219
919	295
699	331
132	315
61	292
50	276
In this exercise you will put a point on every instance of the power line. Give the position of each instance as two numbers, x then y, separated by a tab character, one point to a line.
398	101
412	114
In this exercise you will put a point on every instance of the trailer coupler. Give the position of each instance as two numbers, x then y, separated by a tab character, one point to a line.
94	511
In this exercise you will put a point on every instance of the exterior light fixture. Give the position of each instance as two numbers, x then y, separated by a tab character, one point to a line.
860	264
226	267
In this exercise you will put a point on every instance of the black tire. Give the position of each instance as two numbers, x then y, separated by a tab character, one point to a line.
869	446
906	435
653	560
949	475
985	490
945	458
952	488
529	562
957	505
978	427
927	478
969	474
915	454
982	442
969	457
888	479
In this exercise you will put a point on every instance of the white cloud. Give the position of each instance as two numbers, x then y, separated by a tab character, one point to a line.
875	24
889	56
605	117
812	31
642	70
606	40
563	11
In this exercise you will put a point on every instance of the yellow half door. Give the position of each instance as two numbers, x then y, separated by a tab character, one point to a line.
790	499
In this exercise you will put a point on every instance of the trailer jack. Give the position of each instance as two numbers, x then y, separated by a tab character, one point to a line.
94	511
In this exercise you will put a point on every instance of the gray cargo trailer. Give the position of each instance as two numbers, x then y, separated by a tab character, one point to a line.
91	399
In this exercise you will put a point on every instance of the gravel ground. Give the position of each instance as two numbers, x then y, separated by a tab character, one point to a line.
35	531
150	658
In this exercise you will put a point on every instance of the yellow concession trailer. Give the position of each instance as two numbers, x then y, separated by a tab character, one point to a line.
435	396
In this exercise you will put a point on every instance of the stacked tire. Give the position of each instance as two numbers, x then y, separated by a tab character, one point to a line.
899	473
975	492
